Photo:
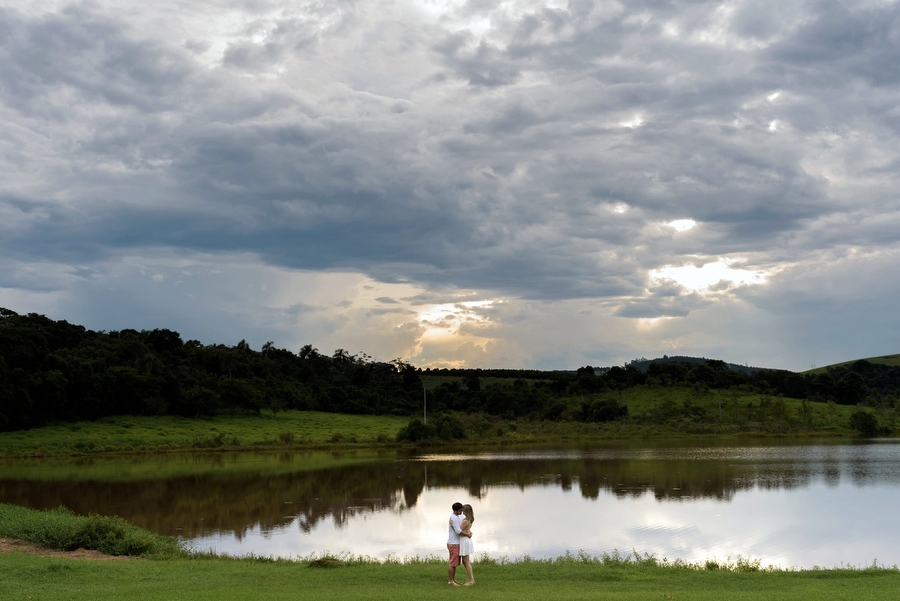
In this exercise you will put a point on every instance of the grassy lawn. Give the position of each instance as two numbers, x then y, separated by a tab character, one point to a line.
166	433
50	579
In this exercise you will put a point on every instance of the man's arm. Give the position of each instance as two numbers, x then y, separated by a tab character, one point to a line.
456	524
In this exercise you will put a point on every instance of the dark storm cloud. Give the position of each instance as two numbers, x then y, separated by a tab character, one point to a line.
838	42
93	57
481	65
489	161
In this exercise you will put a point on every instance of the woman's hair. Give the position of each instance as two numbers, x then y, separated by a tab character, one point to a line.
470	515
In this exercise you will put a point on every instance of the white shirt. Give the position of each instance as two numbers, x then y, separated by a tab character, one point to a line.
453	529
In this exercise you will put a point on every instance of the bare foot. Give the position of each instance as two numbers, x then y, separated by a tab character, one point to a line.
470	583
453	583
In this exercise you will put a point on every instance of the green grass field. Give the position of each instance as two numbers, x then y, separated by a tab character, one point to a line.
653	411
167	433
110	467
892	360
29	577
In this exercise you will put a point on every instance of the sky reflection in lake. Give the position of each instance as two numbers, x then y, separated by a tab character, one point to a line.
801	506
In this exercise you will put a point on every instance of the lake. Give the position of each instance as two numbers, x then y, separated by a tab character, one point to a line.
788	503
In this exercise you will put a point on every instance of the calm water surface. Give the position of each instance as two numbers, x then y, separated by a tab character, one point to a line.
824	503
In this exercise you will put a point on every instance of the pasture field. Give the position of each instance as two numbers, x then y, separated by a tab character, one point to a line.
109	467
652	412
565	579
170	433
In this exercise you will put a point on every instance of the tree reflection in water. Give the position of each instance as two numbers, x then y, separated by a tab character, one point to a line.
224	496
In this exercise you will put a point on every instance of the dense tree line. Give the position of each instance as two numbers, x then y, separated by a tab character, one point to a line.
55	371
843	385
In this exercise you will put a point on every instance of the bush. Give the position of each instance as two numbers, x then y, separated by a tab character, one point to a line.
61	529
605	410
416	431
449	427
444	427
555	411
865	422
110	535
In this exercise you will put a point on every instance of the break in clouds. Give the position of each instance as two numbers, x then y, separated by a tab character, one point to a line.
518	184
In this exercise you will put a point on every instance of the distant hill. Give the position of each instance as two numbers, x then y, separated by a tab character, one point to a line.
889	360
643	364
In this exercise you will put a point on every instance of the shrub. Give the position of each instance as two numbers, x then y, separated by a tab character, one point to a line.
865	422
61	529
110	535
444	427
416	431
604	410
449	427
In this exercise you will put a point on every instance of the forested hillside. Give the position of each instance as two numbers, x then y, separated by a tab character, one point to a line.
56	371
52	371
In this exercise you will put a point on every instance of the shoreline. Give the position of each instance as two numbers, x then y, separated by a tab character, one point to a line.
328	560
108	451
183	450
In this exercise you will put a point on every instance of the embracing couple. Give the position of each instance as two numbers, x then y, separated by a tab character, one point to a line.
459	542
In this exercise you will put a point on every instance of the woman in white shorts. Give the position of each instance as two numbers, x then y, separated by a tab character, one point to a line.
466	548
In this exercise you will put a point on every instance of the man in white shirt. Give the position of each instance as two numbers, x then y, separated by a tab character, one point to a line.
454	531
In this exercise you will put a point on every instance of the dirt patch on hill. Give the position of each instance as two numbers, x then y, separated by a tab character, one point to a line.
8	545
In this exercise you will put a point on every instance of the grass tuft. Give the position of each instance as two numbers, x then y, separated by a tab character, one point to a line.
329	561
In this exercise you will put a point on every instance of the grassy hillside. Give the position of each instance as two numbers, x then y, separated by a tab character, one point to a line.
171	433
889	360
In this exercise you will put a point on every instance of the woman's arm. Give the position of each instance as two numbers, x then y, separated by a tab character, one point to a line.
465	528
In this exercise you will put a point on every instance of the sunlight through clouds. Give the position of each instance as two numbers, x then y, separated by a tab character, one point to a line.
708	277
633	123
352	175
682	225
456	326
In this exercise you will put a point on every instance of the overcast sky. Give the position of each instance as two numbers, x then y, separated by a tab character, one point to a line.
490	184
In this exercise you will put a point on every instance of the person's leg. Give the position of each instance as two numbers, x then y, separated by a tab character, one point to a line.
451	566
468	564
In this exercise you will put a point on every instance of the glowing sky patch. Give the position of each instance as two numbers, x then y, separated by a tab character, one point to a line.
682	225
442	326
708	275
